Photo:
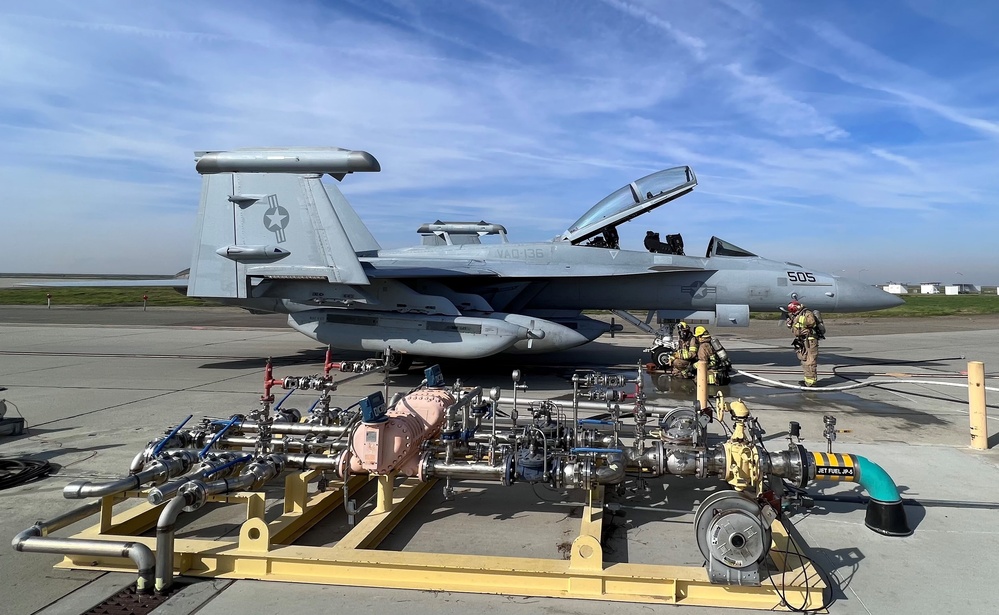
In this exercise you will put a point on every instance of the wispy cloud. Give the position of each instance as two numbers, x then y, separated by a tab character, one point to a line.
487	110
689	42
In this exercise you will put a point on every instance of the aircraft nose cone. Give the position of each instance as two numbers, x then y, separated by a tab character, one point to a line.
856	296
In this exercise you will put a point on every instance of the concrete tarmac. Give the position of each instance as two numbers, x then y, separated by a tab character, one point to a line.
97	385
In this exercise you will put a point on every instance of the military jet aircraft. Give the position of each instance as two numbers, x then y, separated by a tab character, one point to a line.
272	236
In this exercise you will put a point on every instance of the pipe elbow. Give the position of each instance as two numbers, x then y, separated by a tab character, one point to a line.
168	518
80	489
613	471
145	562
885	511
18	541
74	490
876	481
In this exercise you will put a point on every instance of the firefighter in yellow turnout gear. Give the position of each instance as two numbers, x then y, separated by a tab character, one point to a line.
805	326
711	351
685	353
699	346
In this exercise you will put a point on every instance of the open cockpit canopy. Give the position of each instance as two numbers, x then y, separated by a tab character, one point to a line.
635	199
720	247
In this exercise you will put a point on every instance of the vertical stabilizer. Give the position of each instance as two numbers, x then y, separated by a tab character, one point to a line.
265	214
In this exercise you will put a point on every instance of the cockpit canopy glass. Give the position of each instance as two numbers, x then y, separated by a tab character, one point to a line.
720	247
636	198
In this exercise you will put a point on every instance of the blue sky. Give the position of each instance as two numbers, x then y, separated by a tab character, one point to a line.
857	138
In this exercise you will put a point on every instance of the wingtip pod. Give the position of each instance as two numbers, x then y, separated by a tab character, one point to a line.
333	160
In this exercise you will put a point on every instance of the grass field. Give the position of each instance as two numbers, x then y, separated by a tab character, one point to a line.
915	305
105	297
922	306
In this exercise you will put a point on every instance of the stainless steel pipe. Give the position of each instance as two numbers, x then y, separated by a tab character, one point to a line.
165	530
280	445
297	429
160	471
34	540
192	496
468	470
315	461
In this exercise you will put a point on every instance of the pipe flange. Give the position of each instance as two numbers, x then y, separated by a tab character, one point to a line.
425	468
508	474
194	493
801	466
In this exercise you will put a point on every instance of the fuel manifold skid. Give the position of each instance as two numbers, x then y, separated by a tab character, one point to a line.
437	433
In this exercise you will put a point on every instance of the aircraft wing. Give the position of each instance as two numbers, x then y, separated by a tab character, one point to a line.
430	268
407	268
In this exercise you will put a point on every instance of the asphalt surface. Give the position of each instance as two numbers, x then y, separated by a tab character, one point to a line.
843	325
96	384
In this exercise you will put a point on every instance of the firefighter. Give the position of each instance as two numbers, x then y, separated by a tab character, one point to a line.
805	327
684	333
712	352
686	351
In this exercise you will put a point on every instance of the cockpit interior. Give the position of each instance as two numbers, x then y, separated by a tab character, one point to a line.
598	226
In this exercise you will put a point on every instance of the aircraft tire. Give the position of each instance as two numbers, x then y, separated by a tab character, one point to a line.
662	357
401	363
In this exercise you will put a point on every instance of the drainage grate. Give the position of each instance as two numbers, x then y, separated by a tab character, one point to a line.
128	602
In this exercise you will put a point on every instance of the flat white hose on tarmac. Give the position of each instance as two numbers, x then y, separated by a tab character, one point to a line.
856	385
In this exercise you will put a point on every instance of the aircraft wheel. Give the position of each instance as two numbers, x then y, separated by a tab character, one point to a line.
661	357
400	363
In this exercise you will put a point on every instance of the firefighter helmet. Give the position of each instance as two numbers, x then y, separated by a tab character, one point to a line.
794	307
699	331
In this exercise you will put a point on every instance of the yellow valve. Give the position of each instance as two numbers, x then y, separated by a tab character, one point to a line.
742	466
739	409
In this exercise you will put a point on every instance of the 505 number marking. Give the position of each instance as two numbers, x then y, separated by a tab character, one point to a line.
800	276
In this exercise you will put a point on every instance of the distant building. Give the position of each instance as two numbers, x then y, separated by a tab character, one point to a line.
961	289
895	289
929	288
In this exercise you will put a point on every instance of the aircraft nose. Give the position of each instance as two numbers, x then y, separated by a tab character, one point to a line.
856	296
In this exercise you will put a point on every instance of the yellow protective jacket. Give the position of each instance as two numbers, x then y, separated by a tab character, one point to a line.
705	352
803	324
686	352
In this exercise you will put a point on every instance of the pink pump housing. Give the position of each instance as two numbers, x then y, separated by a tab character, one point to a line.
393	445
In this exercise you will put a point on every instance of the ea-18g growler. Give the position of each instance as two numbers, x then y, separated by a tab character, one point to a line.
273	236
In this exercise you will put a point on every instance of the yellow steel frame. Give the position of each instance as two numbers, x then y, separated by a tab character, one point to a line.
265	551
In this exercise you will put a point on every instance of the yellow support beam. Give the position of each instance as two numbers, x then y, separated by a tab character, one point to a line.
587	552
371	530
355	561
289	527
645	583
135	520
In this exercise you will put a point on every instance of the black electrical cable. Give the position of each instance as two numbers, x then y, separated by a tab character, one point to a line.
804	608
543	498
14	472
16	409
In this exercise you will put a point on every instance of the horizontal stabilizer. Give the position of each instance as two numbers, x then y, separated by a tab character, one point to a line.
333	160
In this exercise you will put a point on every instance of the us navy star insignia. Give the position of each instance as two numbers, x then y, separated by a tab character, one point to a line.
276	218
